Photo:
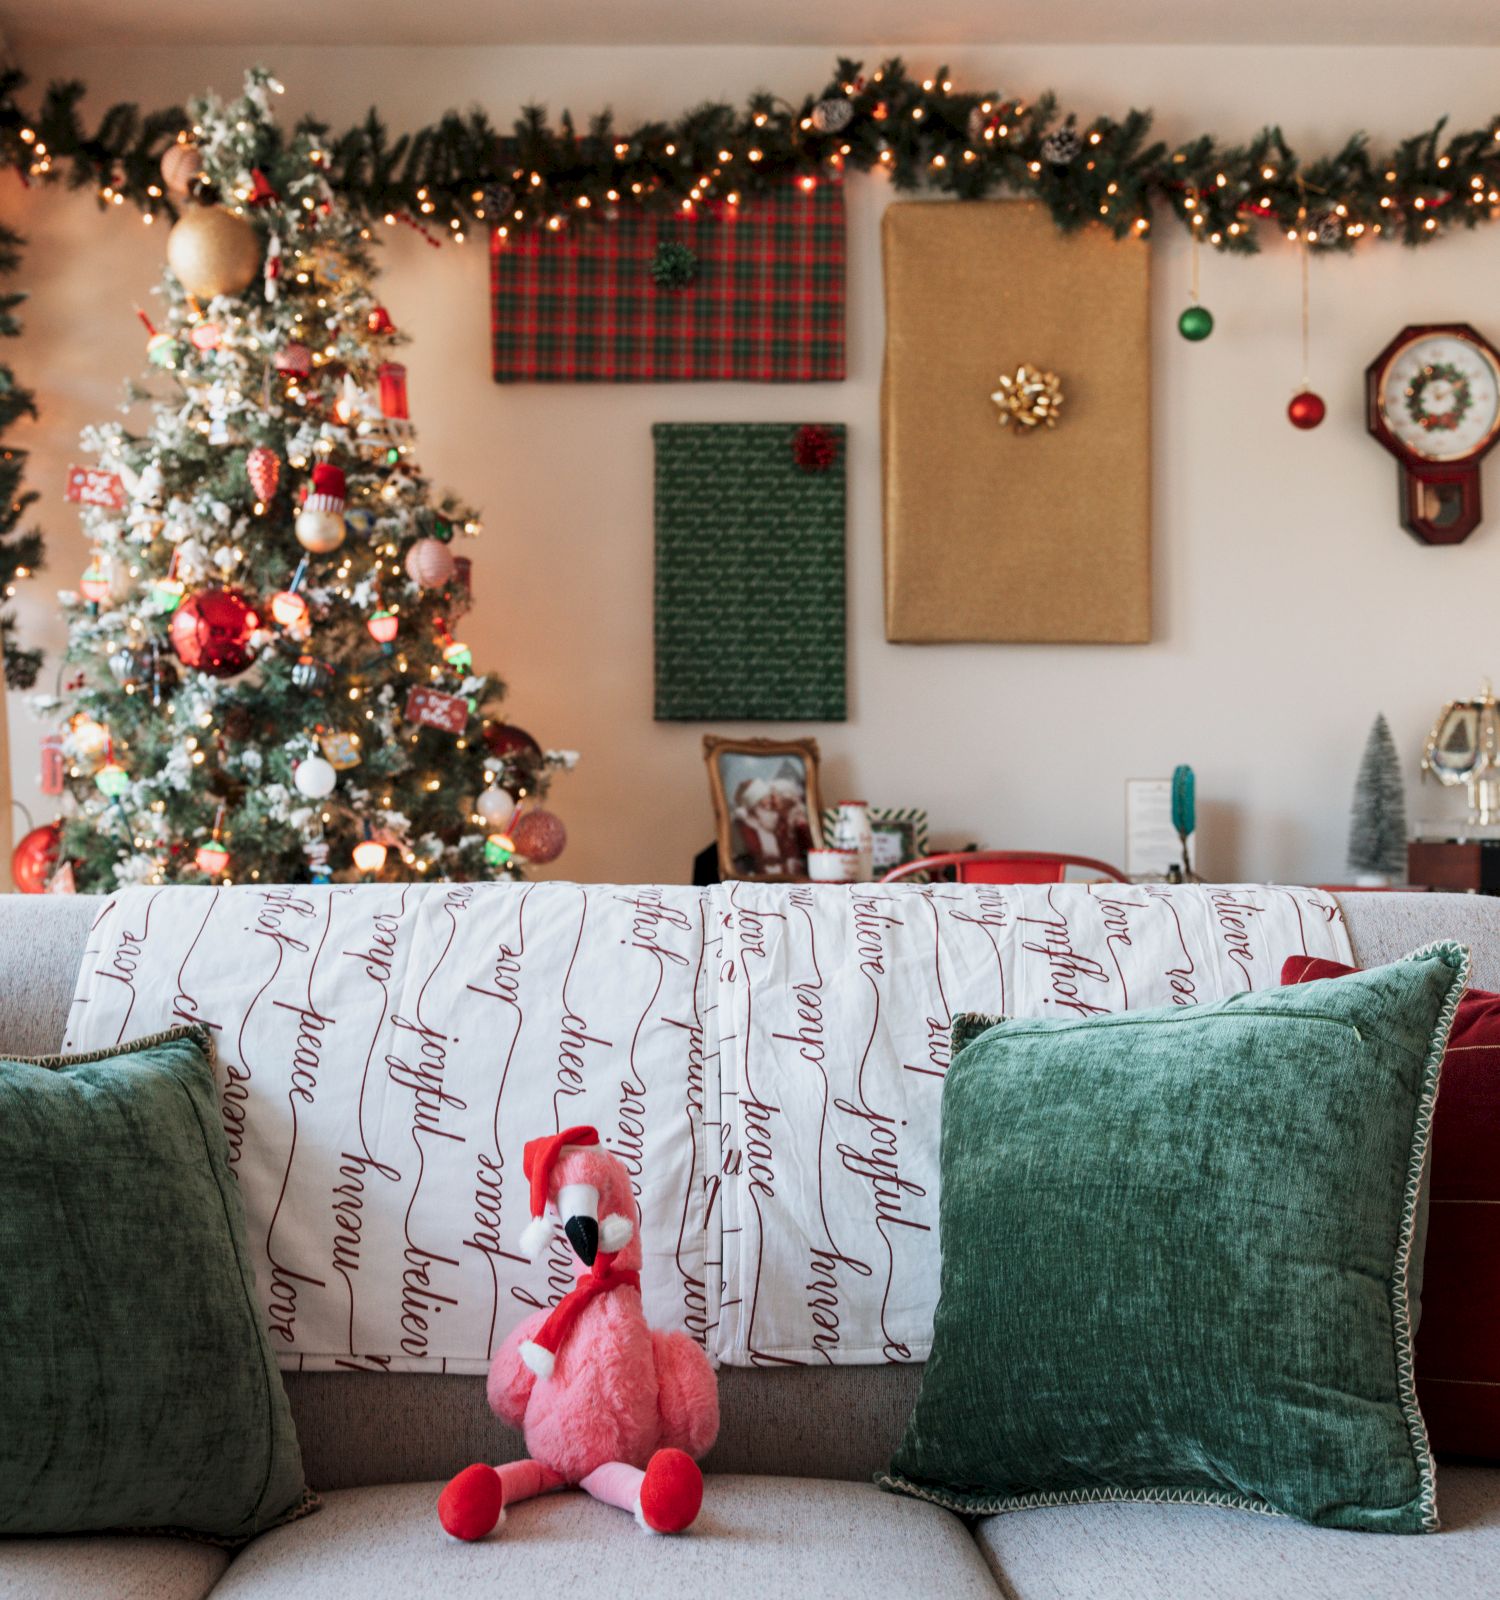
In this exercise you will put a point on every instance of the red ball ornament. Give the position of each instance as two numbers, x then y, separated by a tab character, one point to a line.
539	836
1306	409
504	739
33	860
211	631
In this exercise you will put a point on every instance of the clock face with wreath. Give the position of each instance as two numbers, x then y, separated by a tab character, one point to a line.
1433	400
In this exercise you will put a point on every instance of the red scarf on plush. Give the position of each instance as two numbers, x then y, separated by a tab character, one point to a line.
603	1277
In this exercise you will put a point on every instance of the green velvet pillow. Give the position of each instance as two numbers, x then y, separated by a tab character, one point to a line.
1177	1256
138	1384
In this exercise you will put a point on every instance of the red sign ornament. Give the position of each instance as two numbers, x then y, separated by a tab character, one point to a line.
93	486
434	709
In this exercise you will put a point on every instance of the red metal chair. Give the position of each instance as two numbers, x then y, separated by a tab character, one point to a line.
1006	866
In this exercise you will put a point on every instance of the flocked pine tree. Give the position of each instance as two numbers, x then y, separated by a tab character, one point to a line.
1377	818
265	683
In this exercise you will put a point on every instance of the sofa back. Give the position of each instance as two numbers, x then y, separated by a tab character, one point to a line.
833	1422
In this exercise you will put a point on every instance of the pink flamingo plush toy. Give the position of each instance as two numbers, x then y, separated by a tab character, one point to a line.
605	1402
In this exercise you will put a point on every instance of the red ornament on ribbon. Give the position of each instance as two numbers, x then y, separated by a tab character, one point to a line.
1306	409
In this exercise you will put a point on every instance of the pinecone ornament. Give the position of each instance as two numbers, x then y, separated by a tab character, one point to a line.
263	468
832	115
1061	147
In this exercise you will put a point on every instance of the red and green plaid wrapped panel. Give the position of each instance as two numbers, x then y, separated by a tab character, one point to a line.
765	302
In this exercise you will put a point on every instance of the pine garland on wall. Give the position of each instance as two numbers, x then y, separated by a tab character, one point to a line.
460	173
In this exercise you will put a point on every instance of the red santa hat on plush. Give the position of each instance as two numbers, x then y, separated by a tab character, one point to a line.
539	1157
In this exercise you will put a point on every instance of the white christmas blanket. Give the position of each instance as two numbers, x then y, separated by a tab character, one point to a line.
766	1060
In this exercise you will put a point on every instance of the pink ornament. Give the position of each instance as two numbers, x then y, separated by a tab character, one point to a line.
180	164
429	563
539	836
206	335
264	468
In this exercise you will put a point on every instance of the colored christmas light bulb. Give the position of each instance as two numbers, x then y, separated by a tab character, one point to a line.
94	584
458	656
113	779
289	608
369	855
384	626
211	858
166	594
498	849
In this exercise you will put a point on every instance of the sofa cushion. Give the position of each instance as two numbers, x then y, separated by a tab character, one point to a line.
1153	1552
108	1567
140	1387
756	1537
1458	1340
1175	1253
359	1428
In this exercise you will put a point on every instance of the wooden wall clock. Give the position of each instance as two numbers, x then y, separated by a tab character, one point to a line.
1433	400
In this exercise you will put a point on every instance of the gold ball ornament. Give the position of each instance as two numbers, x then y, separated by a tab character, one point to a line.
320	531
213	252
320	523
1028	399
180	164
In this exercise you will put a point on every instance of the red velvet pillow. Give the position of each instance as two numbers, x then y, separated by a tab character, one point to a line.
1458	1340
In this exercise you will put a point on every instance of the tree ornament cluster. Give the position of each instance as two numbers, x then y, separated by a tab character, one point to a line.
263	683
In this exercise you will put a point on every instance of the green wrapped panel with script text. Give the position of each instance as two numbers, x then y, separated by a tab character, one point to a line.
749	572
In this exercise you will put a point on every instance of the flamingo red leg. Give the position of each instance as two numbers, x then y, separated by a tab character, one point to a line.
473	1504
664	1498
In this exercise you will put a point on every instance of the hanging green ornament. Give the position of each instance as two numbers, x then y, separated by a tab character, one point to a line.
1197	322
673	266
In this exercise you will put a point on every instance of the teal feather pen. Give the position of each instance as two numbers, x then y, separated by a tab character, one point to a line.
1184	812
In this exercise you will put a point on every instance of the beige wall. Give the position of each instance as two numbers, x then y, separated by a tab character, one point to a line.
1290	606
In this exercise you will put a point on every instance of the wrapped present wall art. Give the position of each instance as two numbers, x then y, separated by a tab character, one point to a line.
751	293
1016	428
750	572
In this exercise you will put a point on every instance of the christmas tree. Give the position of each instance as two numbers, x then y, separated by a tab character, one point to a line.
265	680
20	552
1377	819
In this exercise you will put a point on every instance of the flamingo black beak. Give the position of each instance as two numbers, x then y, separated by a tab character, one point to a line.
578	1204
583	1235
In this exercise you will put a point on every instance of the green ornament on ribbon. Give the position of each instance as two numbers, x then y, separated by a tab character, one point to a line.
1196	323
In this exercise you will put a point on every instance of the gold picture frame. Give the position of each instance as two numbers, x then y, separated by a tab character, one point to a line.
767	807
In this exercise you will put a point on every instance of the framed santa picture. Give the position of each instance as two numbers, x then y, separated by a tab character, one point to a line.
767	808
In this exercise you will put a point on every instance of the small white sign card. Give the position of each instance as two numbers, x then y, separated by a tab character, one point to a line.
1151	842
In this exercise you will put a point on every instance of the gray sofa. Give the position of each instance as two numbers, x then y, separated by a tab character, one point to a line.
789	1510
